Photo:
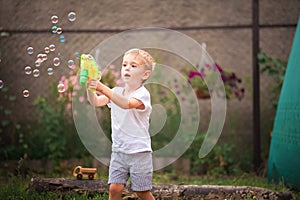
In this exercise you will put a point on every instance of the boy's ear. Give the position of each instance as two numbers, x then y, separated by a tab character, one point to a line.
147	73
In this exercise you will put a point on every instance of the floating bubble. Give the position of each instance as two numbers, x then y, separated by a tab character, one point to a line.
28	70
30	50
54	19
40	56
59	30
1	84
61	88
44	57
71	64
50	71
54	29
38	62
25	93
52	47
77	53
56	61
36	73
47	50
72	16
62	38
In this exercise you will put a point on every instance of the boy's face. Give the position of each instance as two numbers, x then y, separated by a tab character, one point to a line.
133	69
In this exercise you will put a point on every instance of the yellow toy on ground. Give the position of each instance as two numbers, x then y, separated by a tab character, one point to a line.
88	69
81	172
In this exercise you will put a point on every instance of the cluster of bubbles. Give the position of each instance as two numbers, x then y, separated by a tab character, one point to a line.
43	56
55	29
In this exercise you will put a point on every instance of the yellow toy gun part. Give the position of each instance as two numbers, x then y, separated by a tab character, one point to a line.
88	69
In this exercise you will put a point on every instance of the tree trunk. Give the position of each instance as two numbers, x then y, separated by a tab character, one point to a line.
168	191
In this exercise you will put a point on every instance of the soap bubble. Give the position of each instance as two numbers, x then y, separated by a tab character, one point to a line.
45	57
56	61
28	70
77	54
50	71
36	73
38	62
72	16
59	30
52	47
62	38
1	84
30	50
54	29
40	56
47	50
54	19
61	88
25	93
71	64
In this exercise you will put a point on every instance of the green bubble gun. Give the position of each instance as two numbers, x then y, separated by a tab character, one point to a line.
88	69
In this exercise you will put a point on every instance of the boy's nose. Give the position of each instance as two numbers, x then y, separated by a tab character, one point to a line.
127	68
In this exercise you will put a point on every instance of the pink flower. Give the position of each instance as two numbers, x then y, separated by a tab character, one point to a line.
81	99
73	80
77	87
195	73
218	68
68	106
112	67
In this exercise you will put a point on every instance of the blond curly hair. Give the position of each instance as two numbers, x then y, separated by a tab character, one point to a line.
148	59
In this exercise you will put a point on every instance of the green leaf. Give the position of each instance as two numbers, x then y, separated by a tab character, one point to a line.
18	126
7	112
4	123
5	89
12	98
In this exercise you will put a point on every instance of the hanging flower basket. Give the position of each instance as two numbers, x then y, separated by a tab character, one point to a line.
232	83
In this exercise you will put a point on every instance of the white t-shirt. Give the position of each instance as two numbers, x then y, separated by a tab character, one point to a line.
130	127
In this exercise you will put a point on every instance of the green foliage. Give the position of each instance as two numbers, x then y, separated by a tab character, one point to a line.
220	161
168	100
54	137
12	133
276	69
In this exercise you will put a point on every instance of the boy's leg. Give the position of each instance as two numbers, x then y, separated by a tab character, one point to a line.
145	195
141	172
115	191
118	176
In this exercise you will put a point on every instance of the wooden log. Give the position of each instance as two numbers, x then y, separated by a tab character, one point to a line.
160	191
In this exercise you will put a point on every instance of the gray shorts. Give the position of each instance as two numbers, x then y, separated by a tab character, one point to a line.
138	167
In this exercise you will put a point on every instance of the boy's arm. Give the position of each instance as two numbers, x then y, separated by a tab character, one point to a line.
120	100
96	100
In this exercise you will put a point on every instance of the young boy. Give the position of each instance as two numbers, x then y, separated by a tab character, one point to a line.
130	111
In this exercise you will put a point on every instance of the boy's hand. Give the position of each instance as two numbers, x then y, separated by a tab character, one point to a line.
93	84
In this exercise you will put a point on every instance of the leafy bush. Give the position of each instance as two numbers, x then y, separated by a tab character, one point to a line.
276	69
12	133
220	161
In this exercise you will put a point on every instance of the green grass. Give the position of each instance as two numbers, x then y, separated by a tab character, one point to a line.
16	188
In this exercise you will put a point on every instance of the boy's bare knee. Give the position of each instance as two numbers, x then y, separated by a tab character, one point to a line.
145	195
116	189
